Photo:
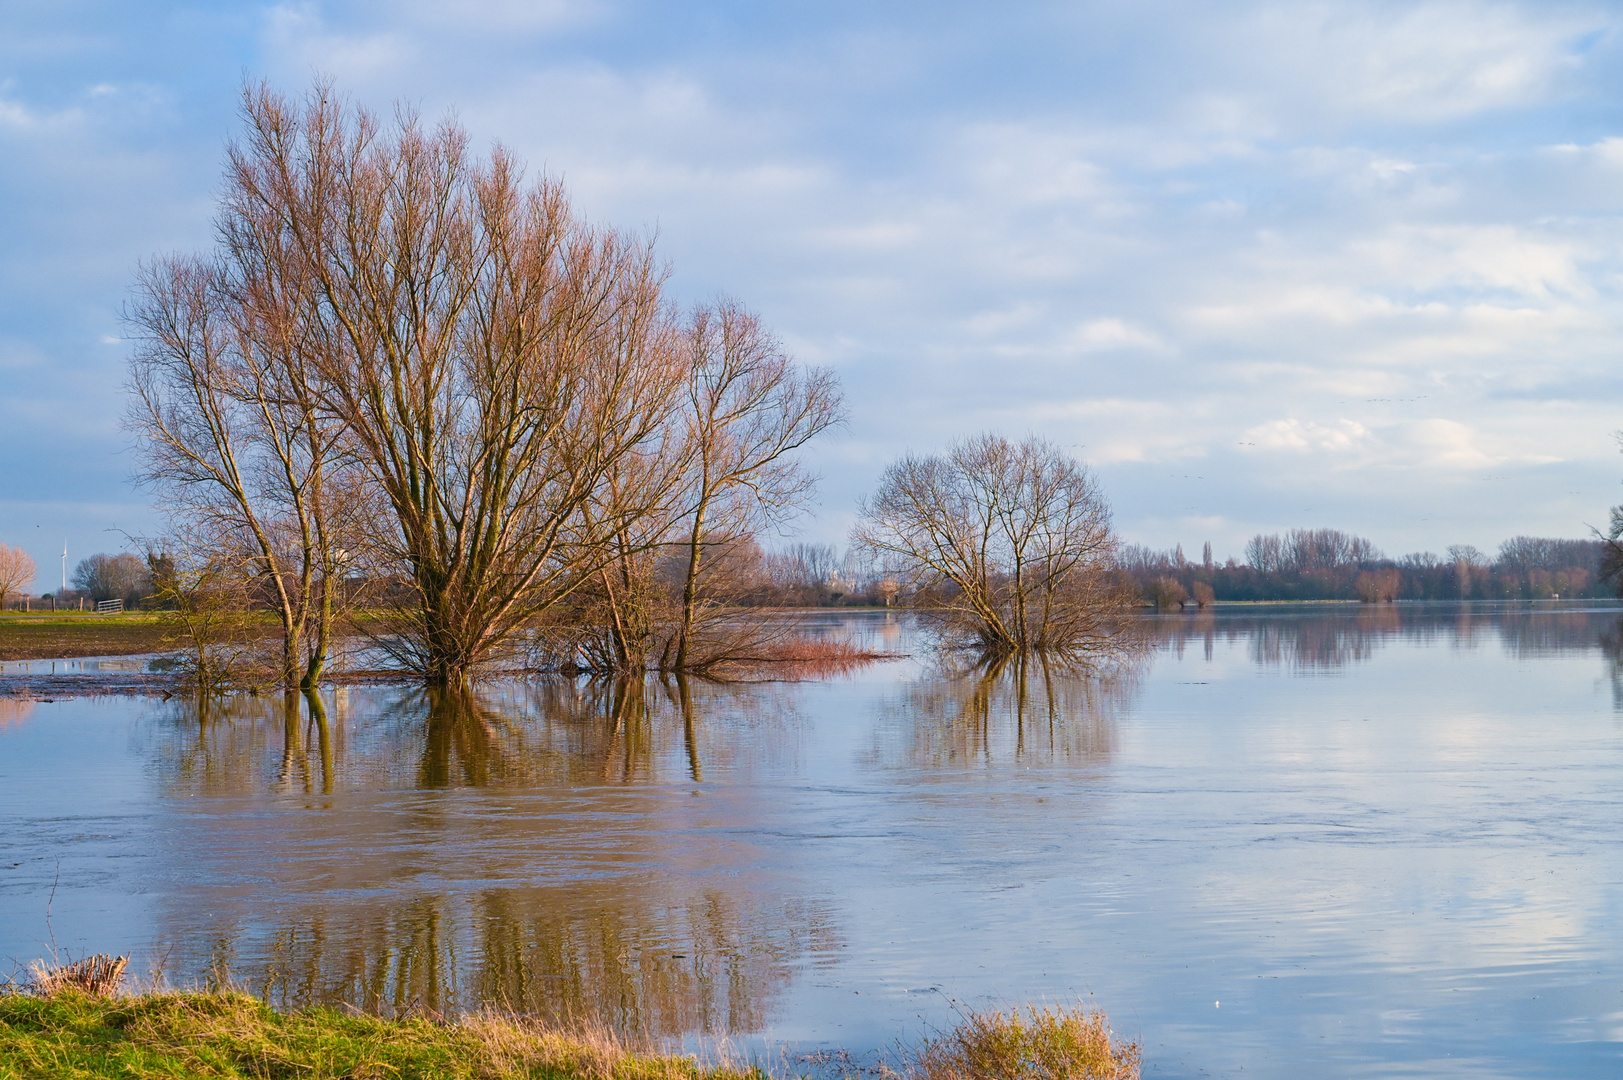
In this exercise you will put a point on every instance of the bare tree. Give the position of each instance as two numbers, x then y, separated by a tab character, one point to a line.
204	594
491	356
16	571
113	577
1009	543
1307	550
409	358
1168	592
231	438
749	407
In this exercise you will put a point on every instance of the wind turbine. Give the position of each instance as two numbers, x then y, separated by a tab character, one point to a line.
64	564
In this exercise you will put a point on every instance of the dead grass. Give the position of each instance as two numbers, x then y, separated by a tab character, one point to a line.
801	657
94	976
1054	1043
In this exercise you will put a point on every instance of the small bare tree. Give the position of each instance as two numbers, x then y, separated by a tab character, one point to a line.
232	440
1008	544
1168	592
205	596
749	406
17	569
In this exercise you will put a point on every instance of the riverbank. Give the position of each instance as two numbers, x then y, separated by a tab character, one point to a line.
232	1035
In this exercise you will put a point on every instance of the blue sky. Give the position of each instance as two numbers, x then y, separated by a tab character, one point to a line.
1264	265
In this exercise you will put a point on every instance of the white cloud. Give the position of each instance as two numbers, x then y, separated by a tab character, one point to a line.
1105	334
303	43
1413	64
1450	444
1297	436
1500	257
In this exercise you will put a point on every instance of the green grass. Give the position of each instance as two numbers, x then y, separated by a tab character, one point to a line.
174	1035
68	617
1054	1043
168	1036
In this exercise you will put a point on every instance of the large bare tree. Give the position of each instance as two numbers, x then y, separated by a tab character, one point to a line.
1008	545
492	357
407	357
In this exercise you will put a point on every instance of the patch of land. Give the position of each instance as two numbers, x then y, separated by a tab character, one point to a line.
70	635
69	1033
230	1035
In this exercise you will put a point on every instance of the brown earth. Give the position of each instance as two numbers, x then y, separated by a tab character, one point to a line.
65	637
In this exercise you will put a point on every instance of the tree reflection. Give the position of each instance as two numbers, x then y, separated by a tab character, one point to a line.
1019	709
228	746
14	712
643	966
548	732
1332	637
581	890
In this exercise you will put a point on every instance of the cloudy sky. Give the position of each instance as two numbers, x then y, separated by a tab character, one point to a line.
1264	265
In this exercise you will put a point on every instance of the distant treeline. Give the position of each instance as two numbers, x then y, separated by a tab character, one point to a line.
1327	564
1317	564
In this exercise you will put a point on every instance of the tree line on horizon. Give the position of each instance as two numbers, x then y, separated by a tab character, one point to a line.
1328	564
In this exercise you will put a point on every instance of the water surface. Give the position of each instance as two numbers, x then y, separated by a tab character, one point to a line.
1315	840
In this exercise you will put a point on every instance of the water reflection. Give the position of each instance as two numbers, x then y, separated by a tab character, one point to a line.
1307	639
1407	867
554	732
14	713
536	846
706	964
1017	712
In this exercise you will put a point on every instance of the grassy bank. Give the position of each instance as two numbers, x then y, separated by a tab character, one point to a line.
172	1035
228	1035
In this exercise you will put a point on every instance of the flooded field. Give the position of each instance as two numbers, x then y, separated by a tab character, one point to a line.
1297	841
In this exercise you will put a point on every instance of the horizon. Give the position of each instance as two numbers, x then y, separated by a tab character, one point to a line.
1263	268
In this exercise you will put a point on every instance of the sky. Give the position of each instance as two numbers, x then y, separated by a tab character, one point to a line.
1261	265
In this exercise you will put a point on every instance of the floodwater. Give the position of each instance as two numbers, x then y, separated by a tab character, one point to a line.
1300	841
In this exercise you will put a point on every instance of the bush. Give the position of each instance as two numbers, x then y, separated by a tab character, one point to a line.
1041	1044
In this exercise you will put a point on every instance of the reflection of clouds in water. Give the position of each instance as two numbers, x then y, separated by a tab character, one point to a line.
1308	640
14	712
1019	712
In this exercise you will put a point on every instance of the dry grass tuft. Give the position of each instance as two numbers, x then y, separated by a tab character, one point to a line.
511	1046
97	976
801	657
1039	1044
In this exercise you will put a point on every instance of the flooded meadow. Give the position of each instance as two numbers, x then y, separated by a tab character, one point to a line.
1329	840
